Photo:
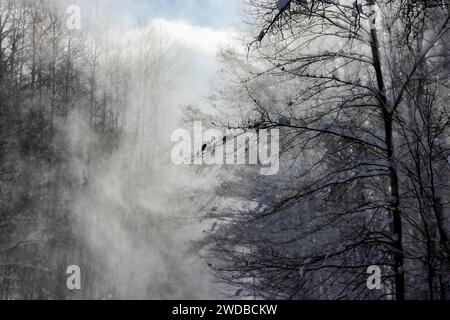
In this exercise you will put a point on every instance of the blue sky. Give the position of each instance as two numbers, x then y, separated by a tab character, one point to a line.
212	13
218	14
202	27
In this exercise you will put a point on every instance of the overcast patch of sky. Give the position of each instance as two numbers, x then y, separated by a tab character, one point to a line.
217	14
206	13
202	27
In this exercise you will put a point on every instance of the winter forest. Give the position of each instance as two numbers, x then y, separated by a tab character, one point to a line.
353	97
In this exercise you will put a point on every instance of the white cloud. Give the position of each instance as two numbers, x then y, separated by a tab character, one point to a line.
202	39
202	45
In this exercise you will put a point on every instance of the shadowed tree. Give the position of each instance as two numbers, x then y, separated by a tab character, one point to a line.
363	84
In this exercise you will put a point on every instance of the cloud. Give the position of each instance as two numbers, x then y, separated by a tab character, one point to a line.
201	46
203	39
138	13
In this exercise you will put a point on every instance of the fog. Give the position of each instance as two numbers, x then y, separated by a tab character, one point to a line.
133	214
121	208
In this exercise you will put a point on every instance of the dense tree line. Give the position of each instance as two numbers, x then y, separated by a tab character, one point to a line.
47	76
74	105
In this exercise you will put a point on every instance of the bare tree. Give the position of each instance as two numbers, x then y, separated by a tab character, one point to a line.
346	80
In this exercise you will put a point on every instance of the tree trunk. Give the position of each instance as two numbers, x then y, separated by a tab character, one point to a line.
393	175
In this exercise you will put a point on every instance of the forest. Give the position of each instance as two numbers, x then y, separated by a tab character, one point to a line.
354	96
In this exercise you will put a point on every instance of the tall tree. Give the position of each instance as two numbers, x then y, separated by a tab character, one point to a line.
335	78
